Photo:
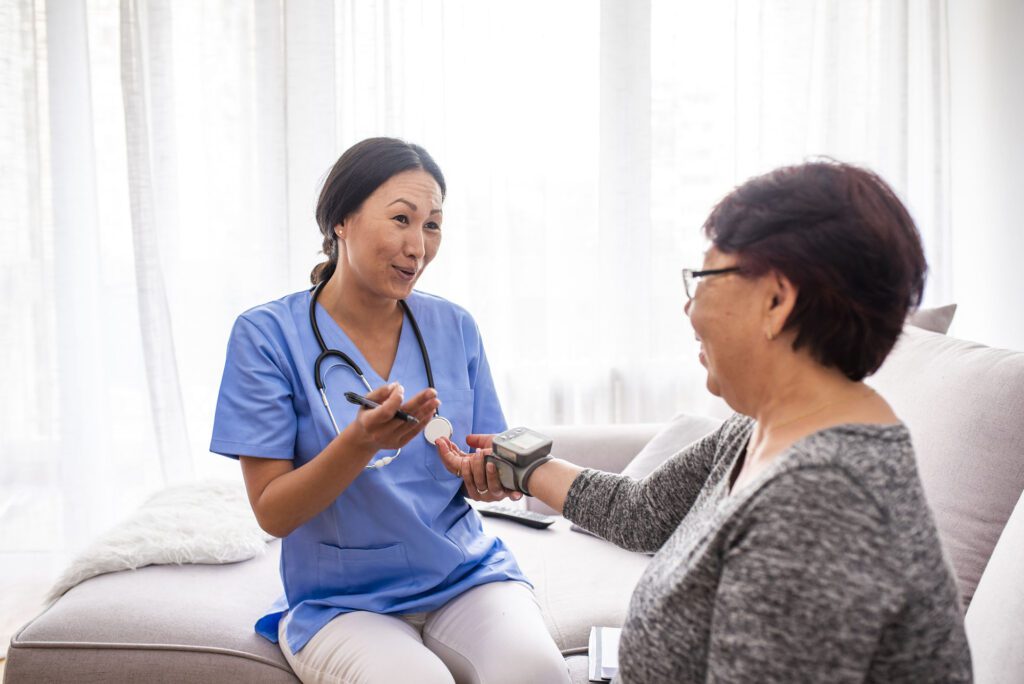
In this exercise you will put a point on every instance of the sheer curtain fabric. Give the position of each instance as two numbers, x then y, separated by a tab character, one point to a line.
163	160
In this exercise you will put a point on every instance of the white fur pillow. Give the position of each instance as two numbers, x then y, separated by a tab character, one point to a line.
201	522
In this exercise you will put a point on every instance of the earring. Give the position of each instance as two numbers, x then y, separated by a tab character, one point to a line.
770	336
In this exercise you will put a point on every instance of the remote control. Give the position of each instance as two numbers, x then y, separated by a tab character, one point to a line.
498	509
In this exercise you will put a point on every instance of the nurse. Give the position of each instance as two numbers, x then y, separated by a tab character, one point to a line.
387	572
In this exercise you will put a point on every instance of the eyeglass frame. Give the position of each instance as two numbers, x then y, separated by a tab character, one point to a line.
692	276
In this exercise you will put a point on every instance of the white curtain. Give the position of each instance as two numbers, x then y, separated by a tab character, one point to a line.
162	162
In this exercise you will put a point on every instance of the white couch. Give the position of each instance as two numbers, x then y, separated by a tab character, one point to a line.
963	402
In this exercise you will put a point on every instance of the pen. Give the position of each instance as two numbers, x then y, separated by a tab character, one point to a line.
369	403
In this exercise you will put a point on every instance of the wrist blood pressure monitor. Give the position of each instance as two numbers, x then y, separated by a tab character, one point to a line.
516	453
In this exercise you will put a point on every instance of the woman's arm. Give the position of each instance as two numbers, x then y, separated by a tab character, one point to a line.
552	481
640	515
636	515
284	497
482	483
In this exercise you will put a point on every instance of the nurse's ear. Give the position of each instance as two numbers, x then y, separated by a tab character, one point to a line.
339	231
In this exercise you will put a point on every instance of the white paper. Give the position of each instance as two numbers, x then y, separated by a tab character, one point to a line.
603	650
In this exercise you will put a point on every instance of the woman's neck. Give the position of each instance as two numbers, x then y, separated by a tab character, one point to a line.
805	399
803	394
355	308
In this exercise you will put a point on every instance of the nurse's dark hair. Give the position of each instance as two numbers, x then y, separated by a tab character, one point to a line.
841	235
363	168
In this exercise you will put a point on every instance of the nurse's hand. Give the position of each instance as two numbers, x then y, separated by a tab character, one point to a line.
379	429
480	441
481	480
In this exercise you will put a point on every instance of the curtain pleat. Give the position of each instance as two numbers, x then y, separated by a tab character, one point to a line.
163	160
171	433
82	443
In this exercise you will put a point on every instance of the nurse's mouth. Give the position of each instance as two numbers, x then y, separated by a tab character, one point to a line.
405	273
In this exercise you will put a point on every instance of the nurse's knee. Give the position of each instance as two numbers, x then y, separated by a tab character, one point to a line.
405	664
513	663
542	664
418	666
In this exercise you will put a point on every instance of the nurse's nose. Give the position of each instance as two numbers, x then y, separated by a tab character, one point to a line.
415	244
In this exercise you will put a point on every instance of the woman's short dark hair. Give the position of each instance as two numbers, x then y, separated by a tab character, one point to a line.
363	168
840	234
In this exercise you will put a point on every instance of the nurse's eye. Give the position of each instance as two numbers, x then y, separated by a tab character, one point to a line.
432	226
402	218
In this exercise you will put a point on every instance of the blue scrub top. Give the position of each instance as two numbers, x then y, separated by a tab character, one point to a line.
399	539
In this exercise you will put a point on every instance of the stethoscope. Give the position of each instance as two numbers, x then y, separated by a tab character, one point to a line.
438	425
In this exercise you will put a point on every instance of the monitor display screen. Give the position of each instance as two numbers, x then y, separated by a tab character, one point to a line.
525	442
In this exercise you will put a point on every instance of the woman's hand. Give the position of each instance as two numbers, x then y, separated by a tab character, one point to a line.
481	480
378	429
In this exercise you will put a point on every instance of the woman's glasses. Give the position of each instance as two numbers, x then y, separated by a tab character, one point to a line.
690	277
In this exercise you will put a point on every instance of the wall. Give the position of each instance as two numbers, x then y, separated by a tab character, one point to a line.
987	160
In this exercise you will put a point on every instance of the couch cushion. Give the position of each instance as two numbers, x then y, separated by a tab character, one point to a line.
162	623
995	620
171	623
578	666
963	403
580	580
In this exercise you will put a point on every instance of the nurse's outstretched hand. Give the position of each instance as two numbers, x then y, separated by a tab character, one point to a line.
481	479
379	428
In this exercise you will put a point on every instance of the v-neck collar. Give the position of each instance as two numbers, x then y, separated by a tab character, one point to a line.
335	337
783	460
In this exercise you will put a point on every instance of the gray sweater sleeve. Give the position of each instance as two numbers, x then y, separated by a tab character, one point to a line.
610	505
796	600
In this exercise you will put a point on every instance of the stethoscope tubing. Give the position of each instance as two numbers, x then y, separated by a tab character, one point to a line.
326	353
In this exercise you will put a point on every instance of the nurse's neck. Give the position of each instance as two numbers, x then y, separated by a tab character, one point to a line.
355	307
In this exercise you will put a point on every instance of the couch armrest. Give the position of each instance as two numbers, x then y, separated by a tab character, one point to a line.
995	618
602	447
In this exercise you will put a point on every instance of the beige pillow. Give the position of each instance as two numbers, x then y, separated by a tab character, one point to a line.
936	319
963	404
681	432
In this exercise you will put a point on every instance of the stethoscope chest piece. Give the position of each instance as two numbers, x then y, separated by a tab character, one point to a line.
437	427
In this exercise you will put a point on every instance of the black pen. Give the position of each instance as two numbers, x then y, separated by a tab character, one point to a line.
370	404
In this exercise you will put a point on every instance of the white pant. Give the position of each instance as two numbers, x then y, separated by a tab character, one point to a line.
491	634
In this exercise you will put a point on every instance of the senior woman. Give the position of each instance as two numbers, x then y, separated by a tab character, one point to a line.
388	575
795	543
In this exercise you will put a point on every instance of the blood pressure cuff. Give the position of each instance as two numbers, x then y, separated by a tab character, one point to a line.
514	476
